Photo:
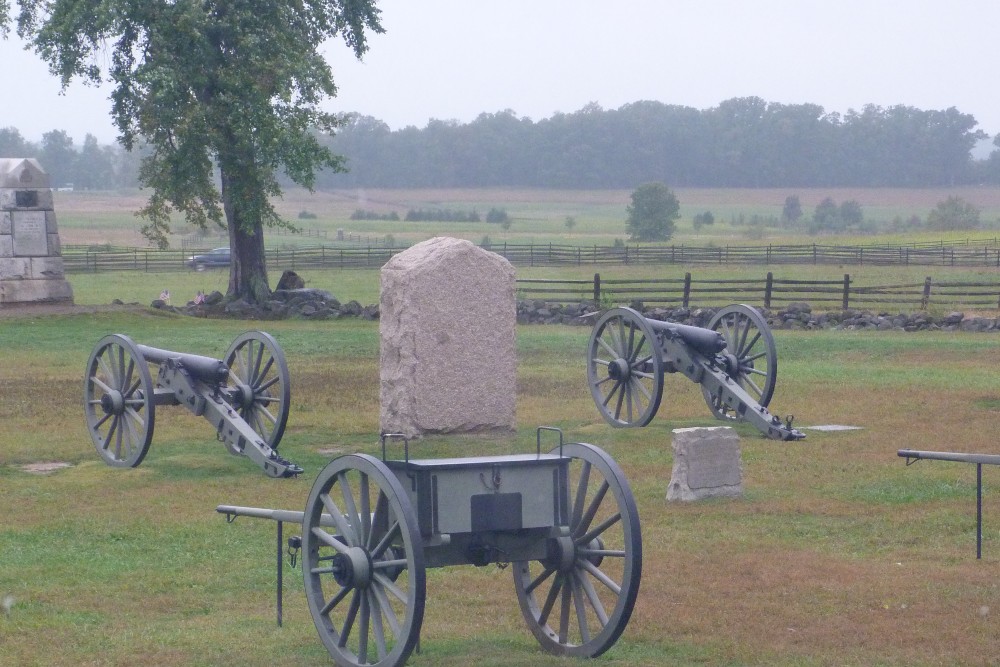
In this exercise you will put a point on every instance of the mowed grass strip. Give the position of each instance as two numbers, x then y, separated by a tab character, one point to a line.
838	554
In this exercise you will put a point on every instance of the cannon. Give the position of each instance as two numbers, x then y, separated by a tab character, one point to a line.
565	522
733	360
245	396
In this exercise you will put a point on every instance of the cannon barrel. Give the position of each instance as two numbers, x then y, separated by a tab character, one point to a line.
206	369
705	341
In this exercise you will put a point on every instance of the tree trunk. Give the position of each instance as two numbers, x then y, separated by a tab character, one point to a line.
247	269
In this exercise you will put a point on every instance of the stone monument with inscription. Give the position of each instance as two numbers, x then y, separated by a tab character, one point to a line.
707	464
31	264
448	318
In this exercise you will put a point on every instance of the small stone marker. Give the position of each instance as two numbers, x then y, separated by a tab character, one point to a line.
706	464
447	321
31	264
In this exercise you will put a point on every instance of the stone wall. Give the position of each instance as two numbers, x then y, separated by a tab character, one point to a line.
796	316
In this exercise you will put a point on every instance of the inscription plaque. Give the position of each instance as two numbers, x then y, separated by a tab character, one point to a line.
30	235
26	198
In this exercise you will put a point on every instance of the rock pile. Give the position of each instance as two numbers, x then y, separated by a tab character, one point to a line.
302	303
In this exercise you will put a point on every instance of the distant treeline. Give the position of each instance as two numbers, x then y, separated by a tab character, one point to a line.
87	167
743	142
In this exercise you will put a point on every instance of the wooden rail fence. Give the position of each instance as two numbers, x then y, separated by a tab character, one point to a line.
769	292
967	253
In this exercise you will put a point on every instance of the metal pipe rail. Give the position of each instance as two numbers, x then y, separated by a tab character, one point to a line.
914	455
294	542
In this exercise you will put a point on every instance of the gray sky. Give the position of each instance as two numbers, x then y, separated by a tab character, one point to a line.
454	59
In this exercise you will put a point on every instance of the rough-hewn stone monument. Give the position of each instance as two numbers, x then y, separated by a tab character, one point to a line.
31	264
706	464
448	326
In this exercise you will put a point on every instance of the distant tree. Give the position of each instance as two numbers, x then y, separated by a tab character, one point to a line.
570	222
653	213
850	213
58	157
792	211
497	216
953	213
702	219
94	166
12	144
826	217
225	94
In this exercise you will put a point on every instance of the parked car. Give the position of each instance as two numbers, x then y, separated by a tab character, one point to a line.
217	257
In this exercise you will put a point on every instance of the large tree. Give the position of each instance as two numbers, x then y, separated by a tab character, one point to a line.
652	213
225	94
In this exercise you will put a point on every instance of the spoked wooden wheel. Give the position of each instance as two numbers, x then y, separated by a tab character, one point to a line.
578	600
364	577
118	401
624	368
259	384
750	356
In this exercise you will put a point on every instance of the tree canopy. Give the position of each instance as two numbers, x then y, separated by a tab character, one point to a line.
224	94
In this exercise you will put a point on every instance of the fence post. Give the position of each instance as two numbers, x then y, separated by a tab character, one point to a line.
926	298
767	289
847	291
687	290
597	289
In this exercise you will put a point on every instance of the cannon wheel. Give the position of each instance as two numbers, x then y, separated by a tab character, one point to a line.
259	384
365	580
578	600
751	358
624	368
118	401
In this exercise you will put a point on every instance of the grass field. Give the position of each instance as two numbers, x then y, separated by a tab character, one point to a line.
838	554
538	216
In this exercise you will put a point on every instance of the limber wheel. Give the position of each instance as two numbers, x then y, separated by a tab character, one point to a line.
624	368
118	401
578	600
750	356
364	579
259	384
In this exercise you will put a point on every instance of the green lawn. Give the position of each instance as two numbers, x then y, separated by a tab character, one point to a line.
837	554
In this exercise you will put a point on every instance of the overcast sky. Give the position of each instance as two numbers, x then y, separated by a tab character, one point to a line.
455	59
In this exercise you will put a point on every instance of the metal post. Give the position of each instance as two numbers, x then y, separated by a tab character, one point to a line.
280	573
979	511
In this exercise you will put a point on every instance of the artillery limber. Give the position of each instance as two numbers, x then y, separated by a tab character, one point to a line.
565	521
733	359
244	395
